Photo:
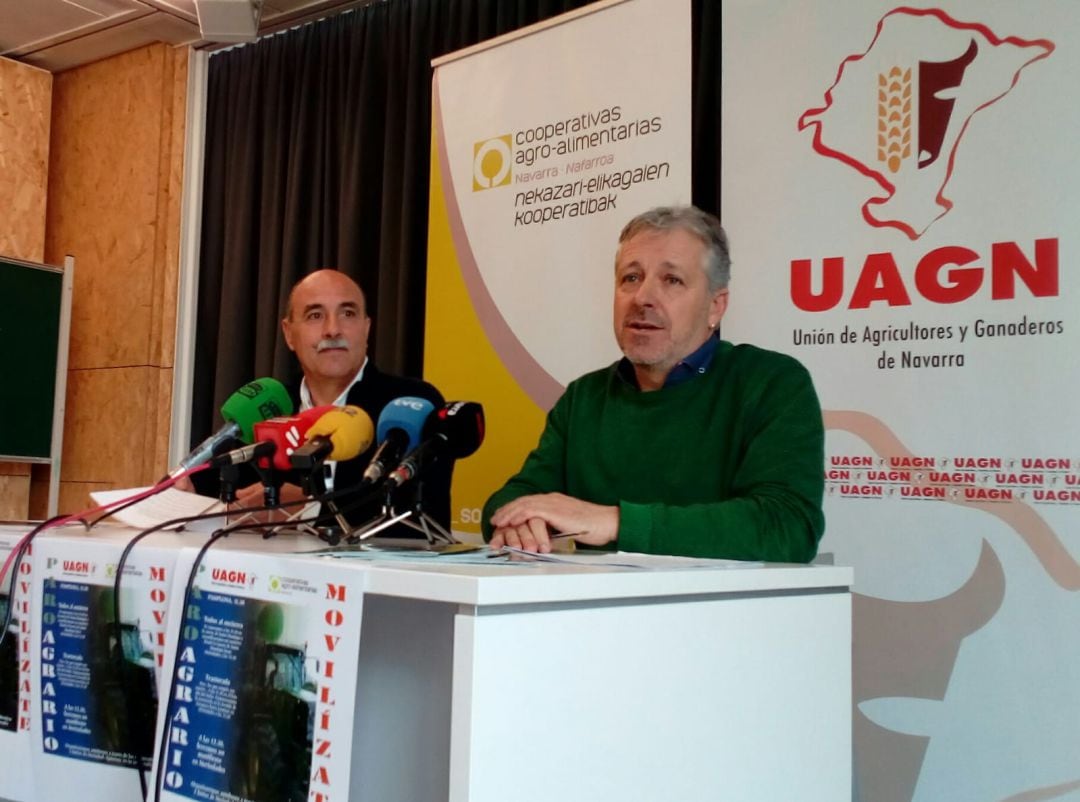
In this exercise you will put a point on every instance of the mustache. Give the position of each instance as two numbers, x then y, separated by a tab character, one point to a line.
651	320
332	342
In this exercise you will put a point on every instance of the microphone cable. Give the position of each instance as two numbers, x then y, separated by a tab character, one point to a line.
164	733
16	554
22	546
164	483
166	729
224	532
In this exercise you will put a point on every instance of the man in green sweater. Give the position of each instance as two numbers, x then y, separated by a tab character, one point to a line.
689	445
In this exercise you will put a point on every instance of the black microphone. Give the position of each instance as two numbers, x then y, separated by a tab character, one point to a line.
401	425
456	430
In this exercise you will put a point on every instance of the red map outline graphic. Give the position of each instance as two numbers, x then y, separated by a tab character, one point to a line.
890	188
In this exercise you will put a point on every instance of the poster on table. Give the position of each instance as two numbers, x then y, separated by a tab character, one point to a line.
901	190
545	142
98	676
16	689
263	665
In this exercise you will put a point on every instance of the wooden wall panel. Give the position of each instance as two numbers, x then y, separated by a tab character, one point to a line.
104	432
74	495
14	491
114	204
25	103
25	114
103	193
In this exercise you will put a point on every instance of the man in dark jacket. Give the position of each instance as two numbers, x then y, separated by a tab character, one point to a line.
326	325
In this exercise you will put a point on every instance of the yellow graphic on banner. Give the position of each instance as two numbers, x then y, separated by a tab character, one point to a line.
460	360
492	159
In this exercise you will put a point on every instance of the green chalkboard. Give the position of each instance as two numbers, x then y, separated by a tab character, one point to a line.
31	300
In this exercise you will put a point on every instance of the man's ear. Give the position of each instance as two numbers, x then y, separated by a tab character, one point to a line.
717	307
286	330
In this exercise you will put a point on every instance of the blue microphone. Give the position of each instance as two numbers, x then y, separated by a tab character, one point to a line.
398	431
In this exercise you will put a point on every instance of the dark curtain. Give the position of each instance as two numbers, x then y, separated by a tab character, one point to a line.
317	155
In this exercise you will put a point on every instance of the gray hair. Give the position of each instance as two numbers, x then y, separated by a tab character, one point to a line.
704	226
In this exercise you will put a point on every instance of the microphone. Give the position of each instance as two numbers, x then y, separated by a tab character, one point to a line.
341	433
238	456
456	430
401	424
255	401
287	434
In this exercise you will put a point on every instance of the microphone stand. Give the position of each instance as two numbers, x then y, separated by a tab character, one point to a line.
230	477
387	517
271	481
314	485
433	531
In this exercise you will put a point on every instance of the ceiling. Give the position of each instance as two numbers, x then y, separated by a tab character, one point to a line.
57	35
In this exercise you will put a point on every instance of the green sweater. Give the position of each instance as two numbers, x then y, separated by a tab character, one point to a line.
727	464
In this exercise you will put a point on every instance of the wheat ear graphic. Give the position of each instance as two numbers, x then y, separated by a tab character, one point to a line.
894	118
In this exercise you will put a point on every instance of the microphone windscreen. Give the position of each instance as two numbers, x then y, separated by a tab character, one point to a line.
309	417
349	428
256	401
287	433
461	424
409	414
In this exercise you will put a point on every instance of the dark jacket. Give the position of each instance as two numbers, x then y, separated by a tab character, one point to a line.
373	392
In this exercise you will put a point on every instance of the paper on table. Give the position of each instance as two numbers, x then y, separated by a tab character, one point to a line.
164	506
629	559
454	552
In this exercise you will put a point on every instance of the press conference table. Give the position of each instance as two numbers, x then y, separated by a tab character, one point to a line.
564	683
560	682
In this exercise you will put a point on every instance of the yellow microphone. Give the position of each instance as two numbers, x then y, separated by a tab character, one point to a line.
339	433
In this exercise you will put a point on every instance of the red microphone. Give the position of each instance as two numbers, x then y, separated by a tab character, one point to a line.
287	434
